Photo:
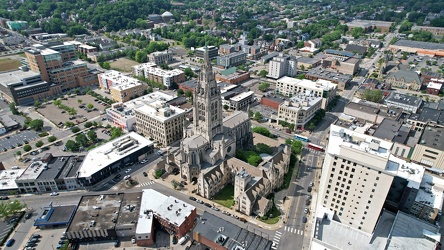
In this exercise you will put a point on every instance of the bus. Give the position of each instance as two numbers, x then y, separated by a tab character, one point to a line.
301	138
315	147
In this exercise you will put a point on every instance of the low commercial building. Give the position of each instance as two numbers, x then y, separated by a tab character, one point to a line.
8	123
231	60
406	102
289	86
346	66
429	199
299	110
86	49
430	149
370	25
11	39
436	31
306	63
342	80
371	112
122	114
55	216
434	88
427	117
232	76
212	52
217	233
237	101
420	48
25	87
160	57
151	72
122	88
160	122
109	158
7	178
272	101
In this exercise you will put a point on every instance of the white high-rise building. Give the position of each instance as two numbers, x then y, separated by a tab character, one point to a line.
282	65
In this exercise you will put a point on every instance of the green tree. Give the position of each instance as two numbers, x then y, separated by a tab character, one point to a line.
263	73
79	101
18	153
373	95
72	111
296	145
88	124
75	129
141	56
9	208
82	140
264	86
180	92
36	124
116	132
254	160
92	135
52	138
72	145
37	104
39	144
13	108
27	148
69	124
263	131
57	103
262	148
257	116
188	93
90	106
226	107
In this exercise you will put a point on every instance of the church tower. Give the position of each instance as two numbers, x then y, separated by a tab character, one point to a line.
207	102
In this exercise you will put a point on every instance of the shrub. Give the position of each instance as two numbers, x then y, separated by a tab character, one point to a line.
52	138
27	148
39	144
75	129
43	134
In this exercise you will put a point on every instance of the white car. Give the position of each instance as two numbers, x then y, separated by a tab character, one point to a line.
54	194
128	170
127	177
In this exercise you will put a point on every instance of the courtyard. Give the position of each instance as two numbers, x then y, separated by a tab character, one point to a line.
225	197
79	103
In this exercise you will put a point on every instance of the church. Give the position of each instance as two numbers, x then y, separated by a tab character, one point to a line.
207	151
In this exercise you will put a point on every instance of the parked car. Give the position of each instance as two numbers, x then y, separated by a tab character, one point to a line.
309	189
306	210
192	198
10	242
117	243
128	170
26	160
28	215
208	205
34	240
4	198
235	216
199	201
243	219
304	219
215	209
54	194
145	174
133	240
36	235
34	153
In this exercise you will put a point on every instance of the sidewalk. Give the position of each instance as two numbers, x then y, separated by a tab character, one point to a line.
167	183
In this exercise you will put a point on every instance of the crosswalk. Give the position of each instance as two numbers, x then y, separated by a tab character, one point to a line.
144	184
294	230
276	239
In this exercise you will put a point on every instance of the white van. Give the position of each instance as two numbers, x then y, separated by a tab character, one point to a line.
183	239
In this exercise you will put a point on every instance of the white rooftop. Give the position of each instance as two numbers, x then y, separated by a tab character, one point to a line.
151	68
119	80
349	143
106	154
431	191
7	178
410	171
174	210
150	201
33	170
301	101
434	85
242	96
319	85
160	111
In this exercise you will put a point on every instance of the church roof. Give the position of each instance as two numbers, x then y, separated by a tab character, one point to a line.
195	141
234	119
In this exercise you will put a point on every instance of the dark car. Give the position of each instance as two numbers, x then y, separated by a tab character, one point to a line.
183	183
174	240
304	219
28	215
207	205
34	240
62	242
192	198
117	176
307	202
145	174
309	189
116	243
10	242
4	198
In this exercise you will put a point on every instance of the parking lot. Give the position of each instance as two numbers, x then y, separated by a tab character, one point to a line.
13	140
58	115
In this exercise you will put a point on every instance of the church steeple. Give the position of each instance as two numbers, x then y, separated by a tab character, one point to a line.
207	111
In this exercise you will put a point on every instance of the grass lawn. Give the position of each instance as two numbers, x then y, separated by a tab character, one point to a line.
123	64
9	64
225	197
275	217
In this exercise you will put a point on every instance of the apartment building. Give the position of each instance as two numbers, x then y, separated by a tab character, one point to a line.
25	87
282	65
55	62
231	60
160	57
430	149
161	122
288	86
237	101
299	110
212	52
122	114
168	78
357	175
122	88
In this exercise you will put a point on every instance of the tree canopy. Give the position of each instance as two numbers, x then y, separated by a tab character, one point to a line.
36	124
10	207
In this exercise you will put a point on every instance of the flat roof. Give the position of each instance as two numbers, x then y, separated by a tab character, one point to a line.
16	76
152	69
58	167
307	60
433	137
173	210
7	178
150	201
120	81
407	170
409	232
368	23
301	101
329	75
404	99
431	191
55	215
242	96
106	154
434	85
8	121
388	129
419	45
160	111
342	139
319	85
213	228
339	52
